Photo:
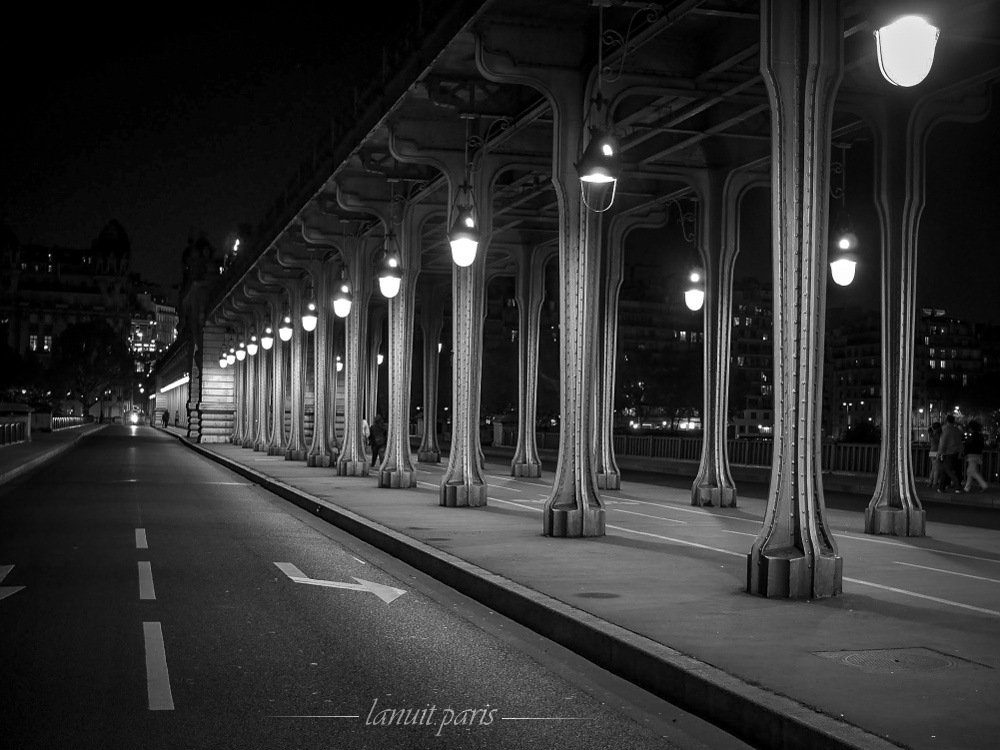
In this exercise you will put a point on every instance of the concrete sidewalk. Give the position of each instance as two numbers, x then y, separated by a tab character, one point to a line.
886	664
21	458
906	656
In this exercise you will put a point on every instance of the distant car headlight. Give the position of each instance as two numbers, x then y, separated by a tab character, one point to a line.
134	418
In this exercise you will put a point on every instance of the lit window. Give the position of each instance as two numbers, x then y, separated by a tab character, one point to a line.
33	342
933	364
47	343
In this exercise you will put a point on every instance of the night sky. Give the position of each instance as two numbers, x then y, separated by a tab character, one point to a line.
197	123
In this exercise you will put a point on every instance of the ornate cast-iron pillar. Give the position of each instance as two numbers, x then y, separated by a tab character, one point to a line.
352	461
464	483
376	317
901	129
320	452
296	448
719	196
251	399
263	390
277	437
431	321
529	293
261	434
795	554
608	474
397	471
233	323
575	507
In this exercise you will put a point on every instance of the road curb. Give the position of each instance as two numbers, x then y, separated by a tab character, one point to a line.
43	458
757	716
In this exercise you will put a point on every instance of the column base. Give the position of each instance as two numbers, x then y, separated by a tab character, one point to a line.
573	522
723	497
396	479
528	471
429	457
462	495
609	481
352	468
895	521
275	450
786	573
319	459
297	455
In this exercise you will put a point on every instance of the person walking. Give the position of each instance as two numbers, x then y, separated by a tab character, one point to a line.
974	445
377	438
935	438
949	452
166	418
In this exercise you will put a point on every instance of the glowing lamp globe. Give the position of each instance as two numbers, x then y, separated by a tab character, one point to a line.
906	50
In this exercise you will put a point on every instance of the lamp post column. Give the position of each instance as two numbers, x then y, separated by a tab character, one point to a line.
263	386
397	469
264	312
464	484
719	193
374	348
431	322
352	461
901	129
251	398
529	292
320	453
608	474
296	448
279	351
795	554
574	507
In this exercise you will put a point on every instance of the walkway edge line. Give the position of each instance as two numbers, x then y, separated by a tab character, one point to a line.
44	458
759	717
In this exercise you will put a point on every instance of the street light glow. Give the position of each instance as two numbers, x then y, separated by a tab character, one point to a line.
906	50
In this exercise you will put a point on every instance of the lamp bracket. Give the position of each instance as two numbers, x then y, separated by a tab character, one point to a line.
687	218
615	41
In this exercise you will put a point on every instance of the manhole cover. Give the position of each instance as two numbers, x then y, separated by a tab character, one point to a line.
598	595
891	659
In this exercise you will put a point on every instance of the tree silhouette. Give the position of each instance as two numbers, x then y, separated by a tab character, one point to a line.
90	358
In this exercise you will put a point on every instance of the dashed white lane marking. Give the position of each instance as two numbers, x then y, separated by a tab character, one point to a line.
157	677
146	581
647	515
949	572
682	509
677	541
924	596
140	539
913	548
516	504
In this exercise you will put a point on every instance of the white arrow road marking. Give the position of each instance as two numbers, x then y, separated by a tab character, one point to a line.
385	593
6	591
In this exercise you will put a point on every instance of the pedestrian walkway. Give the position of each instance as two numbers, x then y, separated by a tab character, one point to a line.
21	458
906	656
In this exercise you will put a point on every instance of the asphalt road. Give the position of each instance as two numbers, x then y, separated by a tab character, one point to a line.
154	614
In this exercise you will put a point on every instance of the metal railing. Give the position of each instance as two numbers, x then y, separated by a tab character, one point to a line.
850	458
61	423
12	432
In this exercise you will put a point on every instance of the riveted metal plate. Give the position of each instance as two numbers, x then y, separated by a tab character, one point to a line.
888	660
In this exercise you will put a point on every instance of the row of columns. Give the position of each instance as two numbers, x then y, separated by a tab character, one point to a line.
794	553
